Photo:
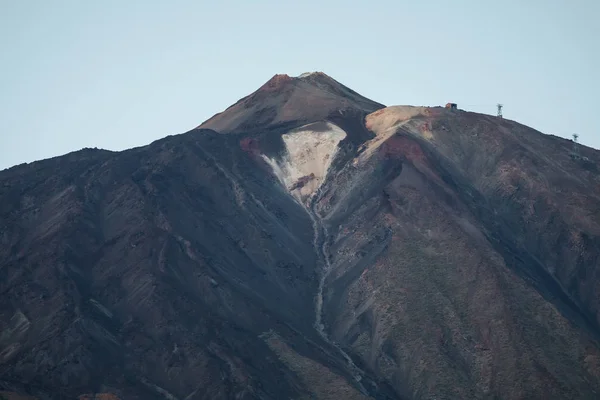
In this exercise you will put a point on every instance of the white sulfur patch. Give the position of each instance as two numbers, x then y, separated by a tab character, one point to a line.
306	74
310	150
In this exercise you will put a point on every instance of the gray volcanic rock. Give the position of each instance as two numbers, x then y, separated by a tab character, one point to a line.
306	243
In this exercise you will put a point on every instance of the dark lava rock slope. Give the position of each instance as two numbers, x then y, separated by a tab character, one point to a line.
306	243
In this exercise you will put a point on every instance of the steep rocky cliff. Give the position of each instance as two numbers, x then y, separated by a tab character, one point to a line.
306	243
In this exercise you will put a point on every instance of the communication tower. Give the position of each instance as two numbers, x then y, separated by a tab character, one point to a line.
575	148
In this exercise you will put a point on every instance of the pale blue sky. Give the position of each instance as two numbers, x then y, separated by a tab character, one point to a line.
117	74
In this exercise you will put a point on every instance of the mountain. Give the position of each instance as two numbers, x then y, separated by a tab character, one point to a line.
286	101
306	243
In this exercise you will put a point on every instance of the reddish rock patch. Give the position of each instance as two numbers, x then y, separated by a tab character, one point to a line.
276	82
302	181
249	145
402	147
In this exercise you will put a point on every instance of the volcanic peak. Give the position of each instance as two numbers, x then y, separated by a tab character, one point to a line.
283	99
276	82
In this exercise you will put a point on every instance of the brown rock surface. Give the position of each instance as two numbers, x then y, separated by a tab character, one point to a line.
446	255
284	100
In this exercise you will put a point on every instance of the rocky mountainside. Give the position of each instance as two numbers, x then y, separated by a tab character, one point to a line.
306	243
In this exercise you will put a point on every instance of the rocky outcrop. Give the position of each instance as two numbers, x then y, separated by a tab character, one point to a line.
304	165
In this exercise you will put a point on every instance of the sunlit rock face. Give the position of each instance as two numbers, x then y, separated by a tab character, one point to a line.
309	151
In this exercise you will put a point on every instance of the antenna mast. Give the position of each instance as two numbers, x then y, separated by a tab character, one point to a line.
499	110
575	148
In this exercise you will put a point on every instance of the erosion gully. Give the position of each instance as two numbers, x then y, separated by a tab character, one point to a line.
321	246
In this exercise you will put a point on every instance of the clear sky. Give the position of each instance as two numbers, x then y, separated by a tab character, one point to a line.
118	74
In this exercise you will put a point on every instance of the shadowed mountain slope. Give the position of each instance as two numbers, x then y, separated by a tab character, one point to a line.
306	243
